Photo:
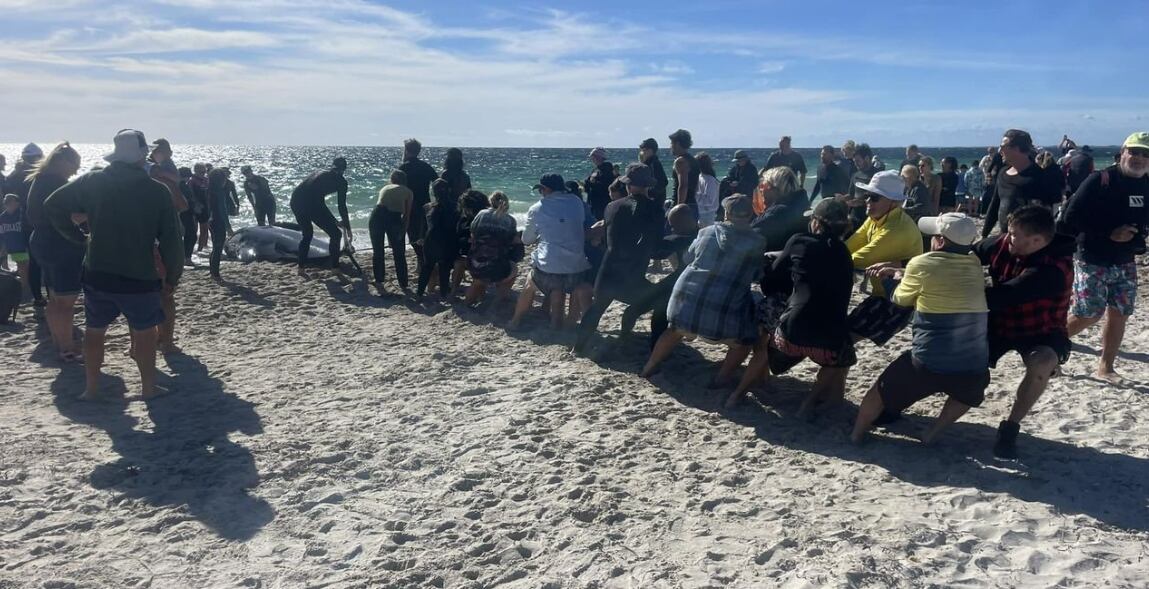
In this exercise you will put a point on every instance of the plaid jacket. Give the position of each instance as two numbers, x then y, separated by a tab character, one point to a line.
1029	295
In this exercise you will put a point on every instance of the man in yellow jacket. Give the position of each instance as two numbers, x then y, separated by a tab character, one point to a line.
888	233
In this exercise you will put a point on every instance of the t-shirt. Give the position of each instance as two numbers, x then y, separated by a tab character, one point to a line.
395	198
821	275
792	160
12	236
556	223
1013	191
420	175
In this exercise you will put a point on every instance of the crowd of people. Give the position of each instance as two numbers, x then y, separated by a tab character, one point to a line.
755	262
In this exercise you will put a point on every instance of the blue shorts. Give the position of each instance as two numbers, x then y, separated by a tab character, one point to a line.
142	310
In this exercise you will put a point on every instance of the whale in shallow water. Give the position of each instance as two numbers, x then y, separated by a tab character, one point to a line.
271	244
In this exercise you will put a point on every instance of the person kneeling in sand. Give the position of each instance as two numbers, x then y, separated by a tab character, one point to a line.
128	213
815	272
558	264
950	352
494	256
711	299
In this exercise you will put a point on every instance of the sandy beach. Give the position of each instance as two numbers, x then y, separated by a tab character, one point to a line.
316	435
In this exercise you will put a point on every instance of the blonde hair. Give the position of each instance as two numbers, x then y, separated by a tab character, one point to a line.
782	179
56	159
927	160
499	202
911	170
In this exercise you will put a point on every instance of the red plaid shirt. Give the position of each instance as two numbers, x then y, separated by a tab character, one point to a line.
1045	316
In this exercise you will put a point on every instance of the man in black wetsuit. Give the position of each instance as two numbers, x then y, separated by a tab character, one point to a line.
786	156
598	183
741	179
420	175
1021	183
307	202
832	178
633	229
259	195
648	154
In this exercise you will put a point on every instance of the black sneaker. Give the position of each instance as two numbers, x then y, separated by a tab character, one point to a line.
1006	446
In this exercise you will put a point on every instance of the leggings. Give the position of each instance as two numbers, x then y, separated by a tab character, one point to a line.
445	263
319	214
218	238
265	212
190	225
633	292
35	282
388	224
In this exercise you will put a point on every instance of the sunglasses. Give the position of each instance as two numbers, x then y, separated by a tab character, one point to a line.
872	197
1138	151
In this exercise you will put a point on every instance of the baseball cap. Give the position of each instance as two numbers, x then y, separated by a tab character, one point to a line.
888	184
648	143
738	205
830	210
163	145
638	175
1139	139
130	147
955	227
740	155
552	181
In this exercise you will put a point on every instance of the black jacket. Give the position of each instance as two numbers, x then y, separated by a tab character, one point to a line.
1106	200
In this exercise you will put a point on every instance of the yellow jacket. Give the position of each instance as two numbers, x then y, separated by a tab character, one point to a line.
893	238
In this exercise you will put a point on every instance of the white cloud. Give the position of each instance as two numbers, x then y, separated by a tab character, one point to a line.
771	67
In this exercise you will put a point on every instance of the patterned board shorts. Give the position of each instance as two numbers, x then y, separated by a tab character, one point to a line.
1098	287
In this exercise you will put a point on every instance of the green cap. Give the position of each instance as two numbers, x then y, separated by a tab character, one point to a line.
1139	139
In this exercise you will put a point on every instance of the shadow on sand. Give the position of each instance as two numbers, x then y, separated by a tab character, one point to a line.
187	458
1071	479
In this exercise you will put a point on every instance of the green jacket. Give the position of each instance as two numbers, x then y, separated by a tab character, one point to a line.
128	214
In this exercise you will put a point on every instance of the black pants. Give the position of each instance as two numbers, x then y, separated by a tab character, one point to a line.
319	214
35	282
218	238
444	261
656	300
635	291
388	224
264	212
191	226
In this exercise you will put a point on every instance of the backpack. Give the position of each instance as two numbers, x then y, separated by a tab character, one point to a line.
11	291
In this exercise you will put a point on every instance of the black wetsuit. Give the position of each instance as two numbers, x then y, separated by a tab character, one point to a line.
858	214
1011	192
218	196
948	198
832	180
441	246
262	201
633	230
598	189
420	175
739	180
657	193
307	202
459	181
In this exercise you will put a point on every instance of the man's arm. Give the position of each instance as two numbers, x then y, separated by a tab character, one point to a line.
801	170
341	201
910	288
249	193
1083	211
991	214
681	172
1030	285
531	230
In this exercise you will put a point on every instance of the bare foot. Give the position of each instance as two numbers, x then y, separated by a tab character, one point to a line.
1110	375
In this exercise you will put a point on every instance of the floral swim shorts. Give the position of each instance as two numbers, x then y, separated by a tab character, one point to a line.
1098	287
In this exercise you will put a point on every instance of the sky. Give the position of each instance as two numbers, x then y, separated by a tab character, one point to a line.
574	74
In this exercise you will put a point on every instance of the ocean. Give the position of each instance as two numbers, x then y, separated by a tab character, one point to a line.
512	170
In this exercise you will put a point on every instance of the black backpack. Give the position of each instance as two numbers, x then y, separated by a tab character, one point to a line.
11	292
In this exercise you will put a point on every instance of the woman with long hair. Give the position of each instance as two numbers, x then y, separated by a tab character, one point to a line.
493	252
453	173
471	203
707	195
441	244
932	181
61	258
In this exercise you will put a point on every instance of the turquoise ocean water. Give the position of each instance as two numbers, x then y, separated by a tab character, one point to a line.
512	170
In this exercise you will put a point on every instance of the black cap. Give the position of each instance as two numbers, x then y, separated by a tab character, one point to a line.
638	175
741	155
648	143
339	163
552	181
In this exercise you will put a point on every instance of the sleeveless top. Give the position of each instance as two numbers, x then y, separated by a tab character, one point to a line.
691	181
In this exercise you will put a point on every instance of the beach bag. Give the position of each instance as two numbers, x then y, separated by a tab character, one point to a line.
10	295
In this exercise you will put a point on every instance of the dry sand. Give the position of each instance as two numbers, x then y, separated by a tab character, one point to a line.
319	436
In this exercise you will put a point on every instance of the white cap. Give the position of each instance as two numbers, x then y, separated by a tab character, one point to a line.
888	184
131	147
955	227
32	151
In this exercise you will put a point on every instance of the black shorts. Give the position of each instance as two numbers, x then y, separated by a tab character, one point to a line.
999	346
878	319
548	283
906	381
783	355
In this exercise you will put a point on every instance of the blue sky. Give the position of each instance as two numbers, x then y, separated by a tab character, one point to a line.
511	73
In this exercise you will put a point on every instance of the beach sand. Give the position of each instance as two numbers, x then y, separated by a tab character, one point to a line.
316	435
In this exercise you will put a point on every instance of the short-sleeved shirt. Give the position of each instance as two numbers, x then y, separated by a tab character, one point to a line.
396	198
